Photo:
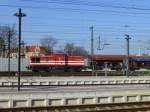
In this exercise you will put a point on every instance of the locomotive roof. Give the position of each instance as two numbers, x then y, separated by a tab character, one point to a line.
58	55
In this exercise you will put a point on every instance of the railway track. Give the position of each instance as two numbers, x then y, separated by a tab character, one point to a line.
46	74
76	85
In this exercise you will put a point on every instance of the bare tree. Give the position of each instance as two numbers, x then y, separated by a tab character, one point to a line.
71	49
49	42
80	51
5	31
2	47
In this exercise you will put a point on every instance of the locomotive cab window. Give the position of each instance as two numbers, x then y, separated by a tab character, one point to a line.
35	60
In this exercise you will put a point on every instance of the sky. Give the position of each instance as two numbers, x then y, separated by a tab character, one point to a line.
70	20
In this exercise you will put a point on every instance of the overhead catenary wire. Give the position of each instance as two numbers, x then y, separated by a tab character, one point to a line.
72	9
92	4
82	40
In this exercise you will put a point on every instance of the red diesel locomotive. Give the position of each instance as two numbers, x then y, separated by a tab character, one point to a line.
56	62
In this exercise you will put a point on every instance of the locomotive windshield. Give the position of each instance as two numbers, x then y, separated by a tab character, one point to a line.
35	59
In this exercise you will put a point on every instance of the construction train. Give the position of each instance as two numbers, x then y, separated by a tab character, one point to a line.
57	61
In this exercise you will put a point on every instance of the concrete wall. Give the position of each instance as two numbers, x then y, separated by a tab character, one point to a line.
13	64
39	99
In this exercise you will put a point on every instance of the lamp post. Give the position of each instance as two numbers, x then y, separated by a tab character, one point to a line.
9	35
23	48
19	15
92	39
4	50
92	47
127	54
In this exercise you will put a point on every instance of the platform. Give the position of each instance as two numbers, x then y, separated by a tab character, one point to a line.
63	96
55	81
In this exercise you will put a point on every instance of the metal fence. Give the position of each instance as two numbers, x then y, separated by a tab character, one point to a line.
13	64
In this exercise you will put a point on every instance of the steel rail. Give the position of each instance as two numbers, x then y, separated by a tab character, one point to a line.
73	85
44	74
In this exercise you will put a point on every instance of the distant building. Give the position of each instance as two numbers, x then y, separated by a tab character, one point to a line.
27	51
35	51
